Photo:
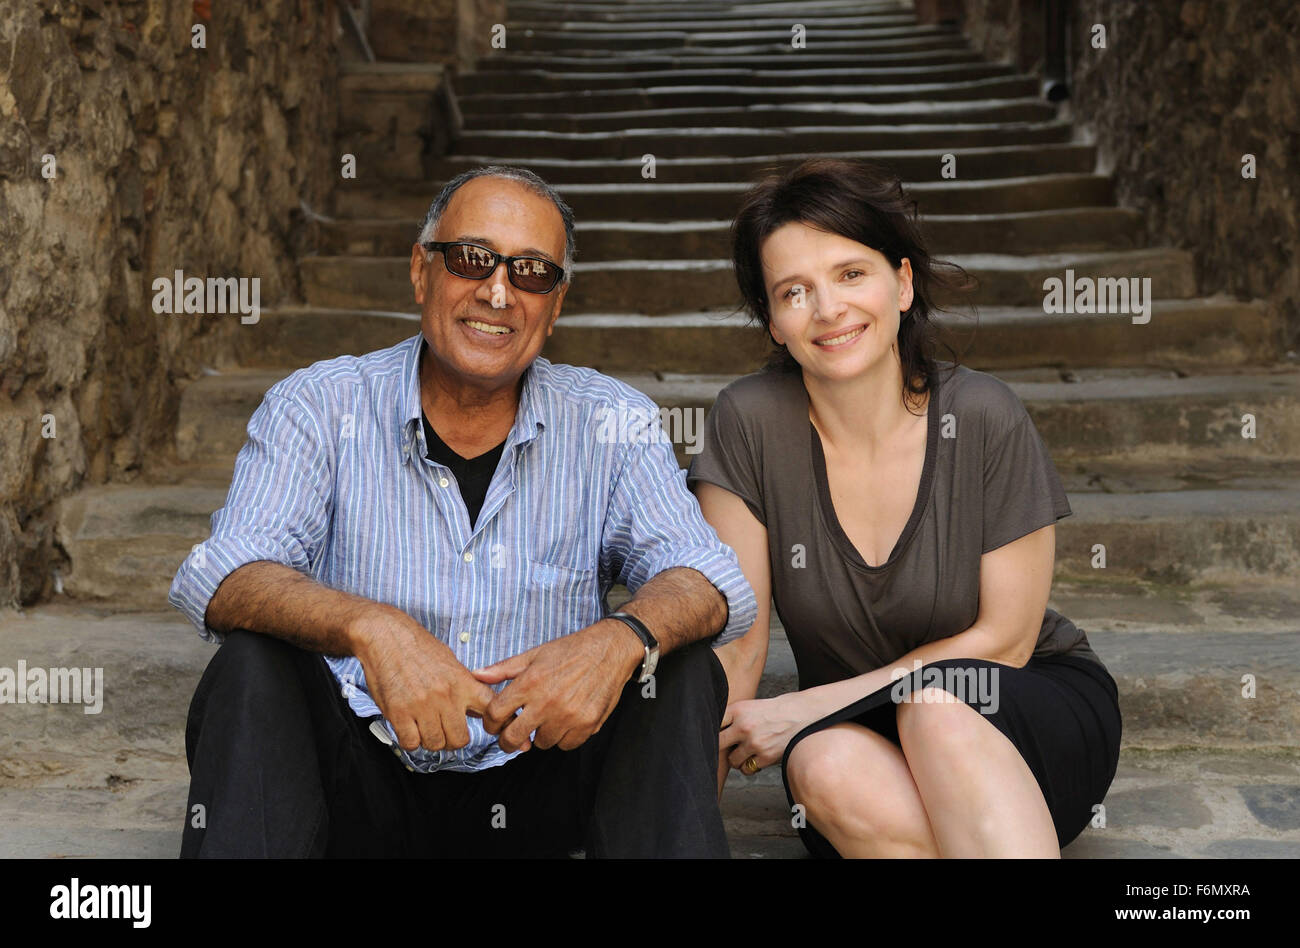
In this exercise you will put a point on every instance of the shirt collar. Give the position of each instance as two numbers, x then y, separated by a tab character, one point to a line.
529	417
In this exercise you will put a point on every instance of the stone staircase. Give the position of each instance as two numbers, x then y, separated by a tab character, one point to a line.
1201	525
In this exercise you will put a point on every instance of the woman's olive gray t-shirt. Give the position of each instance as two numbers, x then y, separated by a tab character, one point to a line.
987	480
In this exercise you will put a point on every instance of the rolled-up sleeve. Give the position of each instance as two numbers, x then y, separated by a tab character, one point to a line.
654	523
277	509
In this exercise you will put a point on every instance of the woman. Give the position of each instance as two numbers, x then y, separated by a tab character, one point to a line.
901	513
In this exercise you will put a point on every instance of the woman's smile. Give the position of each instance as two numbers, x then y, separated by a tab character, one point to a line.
841	339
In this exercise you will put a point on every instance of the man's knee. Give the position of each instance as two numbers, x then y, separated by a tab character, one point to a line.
252	661
691	676
249	673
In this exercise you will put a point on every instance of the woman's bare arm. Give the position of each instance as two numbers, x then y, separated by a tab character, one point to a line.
743	658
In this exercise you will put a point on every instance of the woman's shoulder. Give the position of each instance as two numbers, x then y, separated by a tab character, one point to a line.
770	393
985	397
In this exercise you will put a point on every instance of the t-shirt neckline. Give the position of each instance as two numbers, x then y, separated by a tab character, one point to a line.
831	520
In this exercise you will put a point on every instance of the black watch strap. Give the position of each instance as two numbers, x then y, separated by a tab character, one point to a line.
647	639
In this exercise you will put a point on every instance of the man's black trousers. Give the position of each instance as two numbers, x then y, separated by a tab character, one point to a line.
280	766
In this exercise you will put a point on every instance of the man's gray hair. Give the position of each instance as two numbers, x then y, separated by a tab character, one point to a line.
510	173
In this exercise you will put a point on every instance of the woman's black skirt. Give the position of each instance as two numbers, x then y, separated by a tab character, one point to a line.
1061	712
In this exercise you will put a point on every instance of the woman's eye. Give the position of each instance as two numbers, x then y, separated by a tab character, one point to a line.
852	274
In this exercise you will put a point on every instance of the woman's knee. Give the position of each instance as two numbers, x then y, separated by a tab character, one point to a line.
843	779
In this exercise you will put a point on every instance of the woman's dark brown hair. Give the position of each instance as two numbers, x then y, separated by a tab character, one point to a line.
863	202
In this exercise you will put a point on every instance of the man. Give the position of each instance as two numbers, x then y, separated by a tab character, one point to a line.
408	579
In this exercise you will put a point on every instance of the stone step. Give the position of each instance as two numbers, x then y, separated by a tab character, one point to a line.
125	542
604	100
849	55
873	40
618	12
1115	430
359	77
1208	334
1010	161
754	141
394	117
668	286
1100	423
772	115
640	200
1058	230
688	25
1204	334
1165	804
1178	657
519	80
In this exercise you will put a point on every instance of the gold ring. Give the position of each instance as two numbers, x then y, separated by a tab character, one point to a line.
750	766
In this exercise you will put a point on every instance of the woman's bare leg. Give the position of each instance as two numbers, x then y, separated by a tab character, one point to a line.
981	797
857	791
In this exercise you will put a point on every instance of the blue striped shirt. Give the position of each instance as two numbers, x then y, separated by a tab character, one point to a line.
334	481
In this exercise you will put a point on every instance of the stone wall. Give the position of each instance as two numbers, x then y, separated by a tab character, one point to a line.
1184	89
452	32
166	157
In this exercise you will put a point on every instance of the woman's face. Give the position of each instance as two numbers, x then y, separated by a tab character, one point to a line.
834	303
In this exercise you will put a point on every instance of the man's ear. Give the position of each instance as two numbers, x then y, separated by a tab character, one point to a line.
417	272
559	303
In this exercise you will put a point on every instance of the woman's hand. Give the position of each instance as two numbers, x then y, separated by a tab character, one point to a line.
763	727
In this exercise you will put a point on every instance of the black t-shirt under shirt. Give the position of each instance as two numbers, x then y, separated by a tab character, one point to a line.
473	475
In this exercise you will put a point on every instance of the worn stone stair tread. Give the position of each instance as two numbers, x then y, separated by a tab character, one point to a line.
613	12
1124	410
635	142
638	199
120	511
882	42
765	56
593	99
1093	384
533	79
1053	230
735	27
1210	334
538	137
702	34
992	162
769	114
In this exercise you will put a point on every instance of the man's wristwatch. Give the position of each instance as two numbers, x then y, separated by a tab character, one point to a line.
650	643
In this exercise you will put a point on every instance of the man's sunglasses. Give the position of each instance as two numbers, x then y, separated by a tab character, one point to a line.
530	274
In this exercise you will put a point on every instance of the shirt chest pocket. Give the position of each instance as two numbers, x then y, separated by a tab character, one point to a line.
564	584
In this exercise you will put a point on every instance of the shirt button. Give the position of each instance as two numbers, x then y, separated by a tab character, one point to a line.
410	768
464	636
443	482
397	751
469	557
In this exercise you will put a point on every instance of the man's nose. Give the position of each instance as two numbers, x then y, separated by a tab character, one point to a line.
496	289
